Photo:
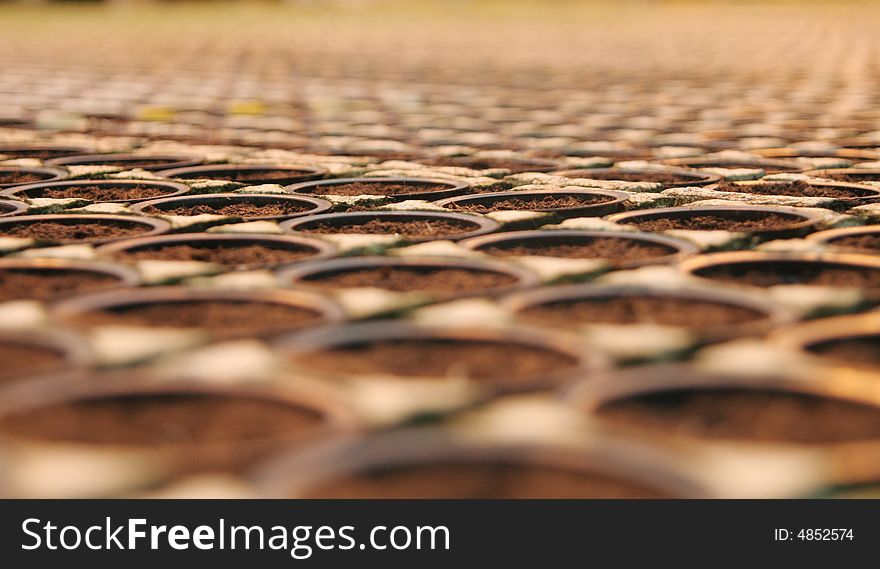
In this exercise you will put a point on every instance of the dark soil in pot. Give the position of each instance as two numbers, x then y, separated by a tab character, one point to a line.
635	309
516	166
750	414
509	363
15	176
668	179
862	350
462	480
227	250
245	206
78	228
39	152
411	226
618	249
397	188
869	242
51	284
100	190
245	174
799	189
769	167
150	162
801	272
209	430
767	221
24	360
562	202
11	207
854	175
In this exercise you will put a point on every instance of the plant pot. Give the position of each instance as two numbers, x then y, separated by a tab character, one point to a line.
509	360
863	239
748	268
117	433
514	165
414	227
398	189
763	222
769	166
224	314
77	228
12	207
39	151
11	176
853	175
249	207
242	252
149	162
845	341
844	153
563	203
712	315
824	412
668	177
51	279
846	193
438	277
27	354
436	464
250	174
99	191
621	249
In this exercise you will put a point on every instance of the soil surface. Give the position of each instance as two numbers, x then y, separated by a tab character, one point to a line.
507	363
864	350
100	193
474	480
853	176
795	272
657	177
750	415
665	311
538	202
612	248
23	177
249	176
734	221
515	166
222	253
375	189
41	284
224	319
263	208
438	280
868	242
73	231
430	227
20	360
799	189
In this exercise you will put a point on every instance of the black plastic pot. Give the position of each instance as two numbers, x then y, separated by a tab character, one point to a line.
114	275
250	174
680	176
12	207
148	226
864	239
33	175
674	249
422	188
612	202
802	221
43	190
769	166
215	202
309	275
515	165
473	225
855	175
311	248
39	151
149	162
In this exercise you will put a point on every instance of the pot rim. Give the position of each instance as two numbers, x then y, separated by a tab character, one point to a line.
319	205
294	275
308	172
36	146
828	237
176	160
177	189
682	248
617	201
57	173
327	309
127	275
849	327
809	219
692	265
794	152
717	162
772	314
453	188
822	173
17	207
296	473
323	249
157	226
75	352
815	182
329	336
484	224
698	178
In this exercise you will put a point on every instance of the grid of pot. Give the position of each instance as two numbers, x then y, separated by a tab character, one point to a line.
652	207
